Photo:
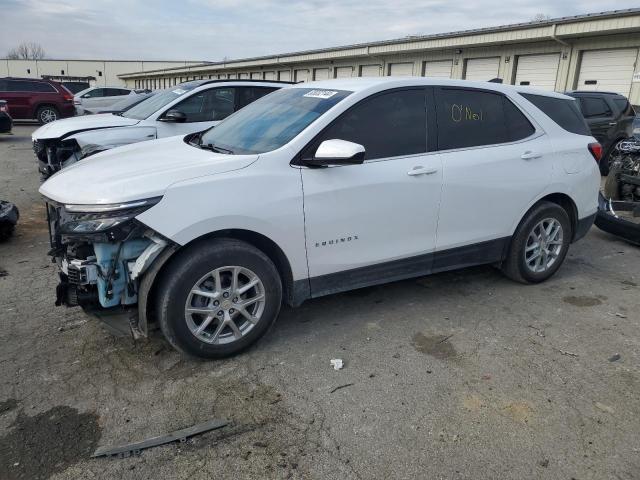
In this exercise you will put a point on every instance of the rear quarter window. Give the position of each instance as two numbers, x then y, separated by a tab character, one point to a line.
564	112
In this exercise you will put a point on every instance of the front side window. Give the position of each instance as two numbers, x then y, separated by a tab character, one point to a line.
273	121
393	124
208	105
470	118
95	93
593	107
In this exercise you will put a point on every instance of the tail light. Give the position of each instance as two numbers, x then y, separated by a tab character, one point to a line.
596	150
77	101
67	97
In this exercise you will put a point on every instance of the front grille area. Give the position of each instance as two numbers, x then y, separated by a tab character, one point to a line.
74	275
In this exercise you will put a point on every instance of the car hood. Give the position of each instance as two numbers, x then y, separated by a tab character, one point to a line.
64	127
137	171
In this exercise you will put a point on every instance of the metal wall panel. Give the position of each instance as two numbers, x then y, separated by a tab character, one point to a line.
540	71
607	70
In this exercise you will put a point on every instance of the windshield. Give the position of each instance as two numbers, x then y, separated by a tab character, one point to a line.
130	101
151	105
272	121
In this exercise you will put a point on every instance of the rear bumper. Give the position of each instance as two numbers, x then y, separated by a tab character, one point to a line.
584	225
5	123
67	110
609	220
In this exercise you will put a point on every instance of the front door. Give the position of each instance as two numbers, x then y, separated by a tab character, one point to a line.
374	222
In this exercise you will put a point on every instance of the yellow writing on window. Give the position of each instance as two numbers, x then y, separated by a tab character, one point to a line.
461	113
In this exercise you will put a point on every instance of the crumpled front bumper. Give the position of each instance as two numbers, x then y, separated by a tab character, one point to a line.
620	218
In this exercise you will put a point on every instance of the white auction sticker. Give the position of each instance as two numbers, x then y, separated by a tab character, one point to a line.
324	94
179	91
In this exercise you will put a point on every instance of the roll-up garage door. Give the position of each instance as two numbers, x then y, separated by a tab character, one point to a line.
440	69
343	72
320	73
401	69
256	75
243	75
269	75
284	75
538	71
607	70
370	70
302	75
482	69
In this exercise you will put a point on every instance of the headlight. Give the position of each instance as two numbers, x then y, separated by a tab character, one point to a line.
87	219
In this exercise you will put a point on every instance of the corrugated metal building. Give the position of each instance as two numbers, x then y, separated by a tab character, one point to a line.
97	72
596	51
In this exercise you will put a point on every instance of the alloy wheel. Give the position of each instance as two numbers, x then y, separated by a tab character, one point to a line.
48	115
544	245
224	305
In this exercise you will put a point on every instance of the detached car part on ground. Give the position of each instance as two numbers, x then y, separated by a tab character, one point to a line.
619	204
187	108
207	235
9	216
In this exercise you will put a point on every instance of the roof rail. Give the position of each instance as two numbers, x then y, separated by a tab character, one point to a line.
222	80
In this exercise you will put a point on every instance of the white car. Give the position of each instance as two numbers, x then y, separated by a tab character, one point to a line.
187	108
99	97
320	188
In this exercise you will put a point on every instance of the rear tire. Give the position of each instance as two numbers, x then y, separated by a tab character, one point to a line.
539	245
203	312
47	114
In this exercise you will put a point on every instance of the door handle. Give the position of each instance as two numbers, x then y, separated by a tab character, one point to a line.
613	124
529	155
420	170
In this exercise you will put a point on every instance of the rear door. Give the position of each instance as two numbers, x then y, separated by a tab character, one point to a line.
94	98
18	97
600	117
377	221
495	163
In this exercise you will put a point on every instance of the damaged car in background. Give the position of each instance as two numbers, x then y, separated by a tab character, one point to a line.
619	202
207	235
187	108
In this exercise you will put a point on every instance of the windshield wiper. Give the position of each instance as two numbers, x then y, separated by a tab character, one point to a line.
216	149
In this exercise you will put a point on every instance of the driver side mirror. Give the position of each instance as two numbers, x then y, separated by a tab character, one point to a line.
175	116
337	152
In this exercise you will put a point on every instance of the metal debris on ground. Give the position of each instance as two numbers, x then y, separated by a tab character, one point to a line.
615	358
339	387
124	451
337	363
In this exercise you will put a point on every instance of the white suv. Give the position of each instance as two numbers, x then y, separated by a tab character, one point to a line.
93	97
320	188
186	108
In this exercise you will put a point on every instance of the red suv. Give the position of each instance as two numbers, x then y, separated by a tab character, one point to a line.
43	100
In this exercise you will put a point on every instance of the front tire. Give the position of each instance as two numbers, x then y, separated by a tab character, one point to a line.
217	298
539	245
47	114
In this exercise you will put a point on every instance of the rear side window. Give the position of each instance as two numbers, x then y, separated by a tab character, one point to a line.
624	106
27	86
248	95
389	125
593	107
472	118
564	112
115	92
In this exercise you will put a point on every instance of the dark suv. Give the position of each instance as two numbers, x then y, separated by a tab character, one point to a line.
30	98
610	118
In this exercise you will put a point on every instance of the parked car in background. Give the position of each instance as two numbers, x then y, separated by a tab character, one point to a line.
187	108
609	116
75	87
210	233
6	122
99	97
42	100
120	106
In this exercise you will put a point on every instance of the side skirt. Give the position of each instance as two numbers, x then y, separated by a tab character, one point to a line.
460	257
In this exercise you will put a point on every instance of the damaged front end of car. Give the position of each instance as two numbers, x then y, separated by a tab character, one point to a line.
103	253
619	203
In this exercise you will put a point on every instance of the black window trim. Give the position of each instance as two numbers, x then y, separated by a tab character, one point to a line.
299	161
612	111
29	80
195	91
538	130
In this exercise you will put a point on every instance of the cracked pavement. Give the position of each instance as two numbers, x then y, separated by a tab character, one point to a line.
462	375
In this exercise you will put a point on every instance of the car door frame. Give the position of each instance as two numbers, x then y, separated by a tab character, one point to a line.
385	271
606	127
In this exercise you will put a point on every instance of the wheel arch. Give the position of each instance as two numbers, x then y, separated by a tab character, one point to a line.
38	106
561	199
293	292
